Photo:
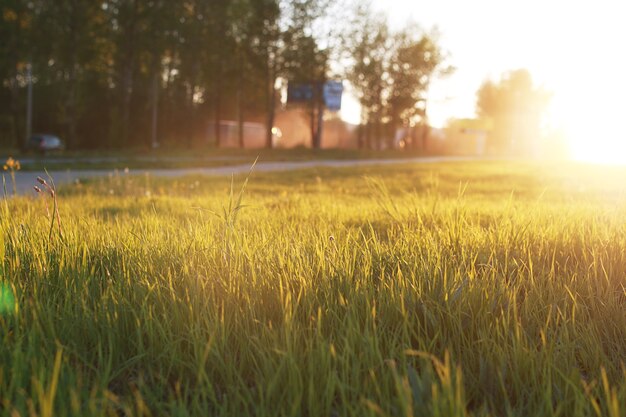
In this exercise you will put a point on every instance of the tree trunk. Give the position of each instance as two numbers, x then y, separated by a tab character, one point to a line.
359	136
271	115
154	140
128	67
271	102
15	55
391	138
71	109
240	115
425	128
425	133
312	129
29	104
18	137
378	133
127	91
217	115
316	116
72	78
192	116
413	143
320	126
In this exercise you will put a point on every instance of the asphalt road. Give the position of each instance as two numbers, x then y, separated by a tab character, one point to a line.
127	159
26	180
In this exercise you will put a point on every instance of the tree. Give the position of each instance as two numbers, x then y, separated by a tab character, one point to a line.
159	45
515	108
306	63
369	50
103	70
390	72
252	27
265	44
296	55
416	60
71	49
16	29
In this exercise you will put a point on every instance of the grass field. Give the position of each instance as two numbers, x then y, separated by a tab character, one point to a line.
484	289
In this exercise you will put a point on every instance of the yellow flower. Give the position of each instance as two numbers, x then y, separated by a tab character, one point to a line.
12	165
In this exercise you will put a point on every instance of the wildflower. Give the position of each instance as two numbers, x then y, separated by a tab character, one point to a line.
12	165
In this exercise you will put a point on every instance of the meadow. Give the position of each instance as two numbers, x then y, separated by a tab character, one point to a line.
453	289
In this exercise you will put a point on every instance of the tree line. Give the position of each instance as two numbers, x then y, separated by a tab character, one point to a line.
127	73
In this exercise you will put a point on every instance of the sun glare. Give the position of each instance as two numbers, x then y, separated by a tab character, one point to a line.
585	73
592	123
571	49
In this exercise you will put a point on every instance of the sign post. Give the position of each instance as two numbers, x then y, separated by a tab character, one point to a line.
320	96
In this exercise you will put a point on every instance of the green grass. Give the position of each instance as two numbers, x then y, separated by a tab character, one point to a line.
434	290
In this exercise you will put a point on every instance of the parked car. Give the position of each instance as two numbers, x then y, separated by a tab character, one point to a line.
45	143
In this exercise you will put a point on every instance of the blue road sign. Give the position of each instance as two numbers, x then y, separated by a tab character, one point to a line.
332	95
299	93
305	92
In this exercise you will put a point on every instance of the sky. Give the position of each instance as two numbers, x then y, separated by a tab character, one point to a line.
575	49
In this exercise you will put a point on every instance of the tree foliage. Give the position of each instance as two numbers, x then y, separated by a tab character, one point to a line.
102	69
515	107
120	73
391	72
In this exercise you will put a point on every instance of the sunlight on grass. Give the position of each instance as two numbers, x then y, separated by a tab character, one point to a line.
451	290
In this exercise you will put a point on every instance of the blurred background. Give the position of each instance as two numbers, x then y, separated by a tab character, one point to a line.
483	77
